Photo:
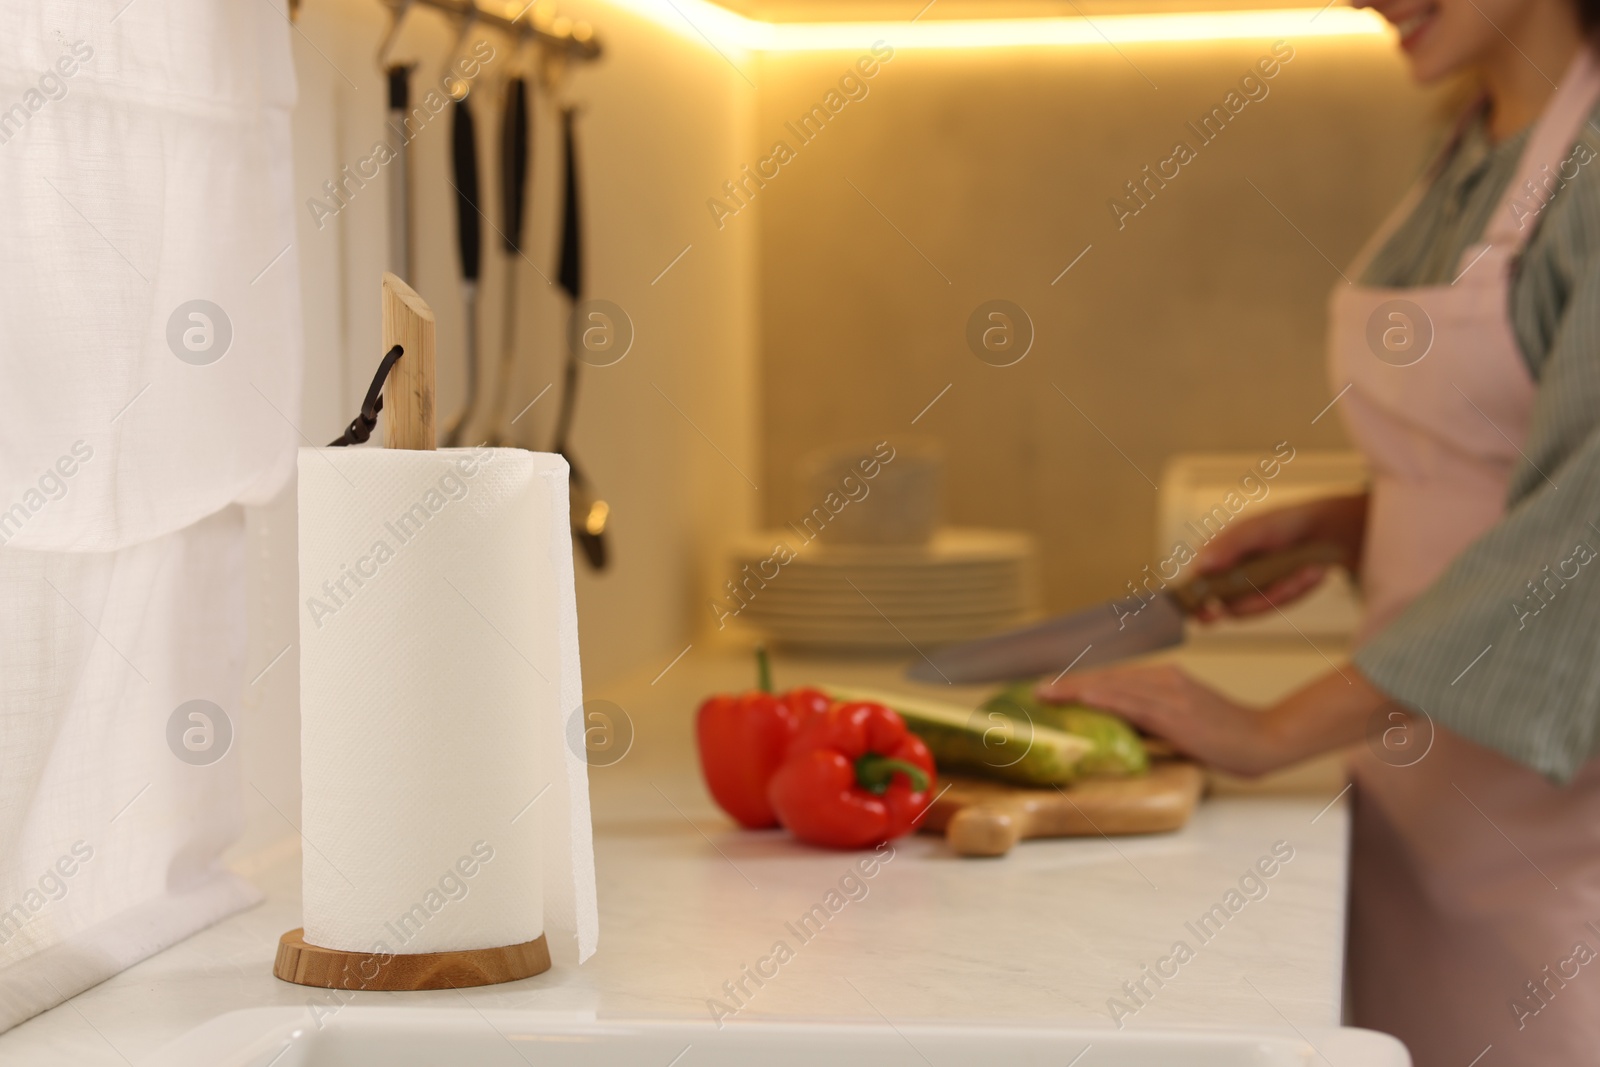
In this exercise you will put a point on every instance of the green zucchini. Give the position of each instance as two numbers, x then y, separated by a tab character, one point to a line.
1117	753
985	741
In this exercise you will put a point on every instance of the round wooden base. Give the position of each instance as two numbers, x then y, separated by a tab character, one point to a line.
307	964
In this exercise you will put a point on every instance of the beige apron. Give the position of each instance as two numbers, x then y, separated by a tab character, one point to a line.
1472	876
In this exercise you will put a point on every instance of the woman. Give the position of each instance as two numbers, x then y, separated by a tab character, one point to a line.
1466	359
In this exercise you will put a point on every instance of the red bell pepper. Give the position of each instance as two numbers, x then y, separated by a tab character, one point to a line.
855	777
743	738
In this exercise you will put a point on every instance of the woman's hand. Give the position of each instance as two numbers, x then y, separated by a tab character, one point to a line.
1337	520
1166	701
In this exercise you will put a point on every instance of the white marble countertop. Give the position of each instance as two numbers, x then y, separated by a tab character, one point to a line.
1050	932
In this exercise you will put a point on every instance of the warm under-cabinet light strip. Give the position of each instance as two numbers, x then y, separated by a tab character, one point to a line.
725	30
1067	32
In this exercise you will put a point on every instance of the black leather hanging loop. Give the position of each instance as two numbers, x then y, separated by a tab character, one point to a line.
360	428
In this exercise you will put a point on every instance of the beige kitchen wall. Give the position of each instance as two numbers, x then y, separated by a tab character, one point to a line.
970	175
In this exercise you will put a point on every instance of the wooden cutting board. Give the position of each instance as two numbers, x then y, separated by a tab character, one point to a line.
986	818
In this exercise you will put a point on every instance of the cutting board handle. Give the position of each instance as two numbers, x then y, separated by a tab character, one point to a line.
1254	574
985	829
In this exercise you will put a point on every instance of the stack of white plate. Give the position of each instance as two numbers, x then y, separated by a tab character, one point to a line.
962	584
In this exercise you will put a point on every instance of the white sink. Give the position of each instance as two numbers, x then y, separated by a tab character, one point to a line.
464	1037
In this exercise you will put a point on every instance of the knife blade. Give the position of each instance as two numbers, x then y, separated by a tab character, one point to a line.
1116	630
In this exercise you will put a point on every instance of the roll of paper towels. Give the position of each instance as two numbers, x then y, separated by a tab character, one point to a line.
443	807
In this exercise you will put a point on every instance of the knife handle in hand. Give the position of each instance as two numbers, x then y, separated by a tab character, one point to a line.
1254	574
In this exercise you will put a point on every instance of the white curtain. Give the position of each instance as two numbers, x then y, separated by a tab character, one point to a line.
149	380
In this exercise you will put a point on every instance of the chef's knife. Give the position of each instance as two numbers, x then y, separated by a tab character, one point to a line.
1109	632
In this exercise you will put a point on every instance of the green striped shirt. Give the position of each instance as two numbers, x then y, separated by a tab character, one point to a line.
1505	648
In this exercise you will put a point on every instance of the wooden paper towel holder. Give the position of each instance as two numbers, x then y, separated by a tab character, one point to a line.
408	423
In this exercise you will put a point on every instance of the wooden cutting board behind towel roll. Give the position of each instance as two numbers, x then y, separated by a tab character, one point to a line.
986	818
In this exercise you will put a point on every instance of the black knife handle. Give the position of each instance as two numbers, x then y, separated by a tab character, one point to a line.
464	162
399	87
569	271
514	141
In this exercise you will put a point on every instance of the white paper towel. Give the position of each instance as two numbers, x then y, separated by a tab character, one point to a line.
443	808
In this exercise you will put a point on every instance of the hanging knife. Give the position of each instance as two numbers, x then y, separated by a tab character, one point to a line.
469	242
1112	631
514	144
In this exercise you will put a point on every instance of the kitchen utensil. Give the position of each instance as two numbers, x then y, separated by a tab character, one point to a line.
514	145
589	516
569	269
985	818
1112	631
398	77
589	513
469	243
1192	483
332	769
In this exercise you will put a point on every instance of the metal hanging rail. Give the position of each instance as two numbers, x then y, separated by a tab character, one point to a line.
575	40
